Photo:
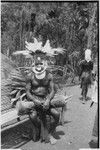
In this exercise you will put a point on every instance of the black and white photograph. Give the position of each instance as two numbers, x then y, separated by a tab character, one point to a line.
49	75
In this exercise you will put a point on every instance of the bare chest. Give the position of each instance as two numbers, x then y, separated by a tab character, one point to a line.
40	83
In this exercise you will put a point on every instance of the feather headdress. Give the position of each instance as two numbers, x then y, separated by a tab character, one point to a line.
31	49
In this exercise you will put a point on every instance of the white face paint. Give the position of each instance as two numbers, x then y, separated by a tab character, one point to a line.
40	76
39	69
38	58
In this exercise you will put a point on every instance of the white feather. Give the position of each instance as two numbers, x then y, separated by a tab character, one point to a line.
35	40
21	52
47	48
51	51
33	46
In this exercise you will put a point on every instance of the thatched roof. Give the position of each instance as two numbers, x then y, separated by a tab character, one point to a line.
6	68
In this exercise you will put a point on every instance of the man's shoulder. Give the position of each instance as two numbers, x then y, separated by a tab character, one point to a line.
49	74
81	62
30	78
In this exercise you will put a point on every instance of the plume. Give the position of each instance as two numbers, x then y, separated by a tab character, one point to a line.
31	48
24	52
51	51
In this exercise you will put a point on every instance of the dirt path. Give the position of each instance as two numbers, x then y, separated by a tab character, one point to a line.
77	130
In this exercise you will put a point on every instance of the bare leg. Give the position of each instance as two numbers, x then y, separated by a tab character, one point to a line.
56	116
24	107
35	122
27	108
85	90
45	127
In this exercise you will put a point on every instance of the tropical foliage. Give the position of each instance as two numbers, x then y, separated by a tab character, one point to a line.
71	25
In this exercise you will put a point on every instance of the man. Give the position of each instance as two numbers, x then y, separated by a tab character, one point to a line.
40	91
86	67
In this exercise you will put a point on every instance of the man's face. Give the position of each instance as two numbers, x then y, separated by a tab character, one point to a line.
39	65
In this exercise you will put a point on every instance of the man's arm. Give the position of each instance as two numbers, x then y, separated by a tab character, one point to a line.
51	92
80	67
29	95
51	89
91	66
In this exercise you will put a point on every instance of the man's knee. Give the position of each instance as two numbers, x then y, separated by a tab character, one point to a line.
24	107
58	101
33	115
55	113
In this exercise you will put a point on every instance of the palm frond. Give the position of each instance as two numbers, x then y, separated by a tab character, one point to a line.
13	92
17	85
18	88
18	95
18	80
23	95
13	100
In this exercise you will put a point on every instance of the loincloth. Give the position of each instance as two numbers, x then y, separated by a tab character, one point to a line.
86	78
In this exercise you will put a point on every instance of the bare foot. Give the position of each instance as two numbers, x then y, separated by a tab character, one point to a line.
52	140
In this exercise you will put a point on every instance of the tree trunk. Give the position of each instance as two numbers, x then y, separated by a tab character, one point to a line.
89	30
19	57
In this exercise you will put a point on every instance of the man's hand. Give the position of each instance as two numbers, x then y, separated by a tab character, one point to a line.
37	103
79	78
46	104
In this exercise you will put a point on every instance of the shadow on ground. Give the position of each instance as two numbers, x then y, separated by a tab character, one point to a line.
57	134
93	144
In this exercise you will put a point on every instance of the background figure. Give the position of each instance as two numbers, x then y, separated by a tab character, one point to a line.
86	67
94	91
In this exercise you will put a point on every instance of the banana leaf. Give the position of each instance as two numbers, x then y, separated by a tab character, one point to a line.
17	88
18	95
18	79
23	95
13	92
18	83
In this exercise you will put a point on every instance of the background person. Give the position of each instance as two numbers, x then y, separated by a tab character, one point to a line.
86	67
